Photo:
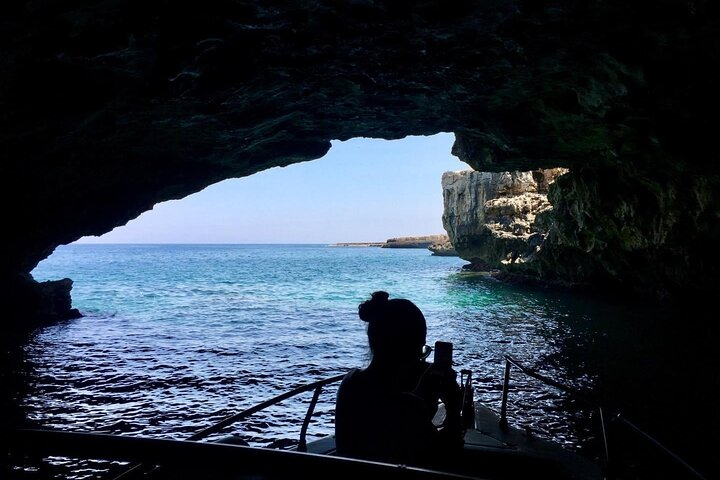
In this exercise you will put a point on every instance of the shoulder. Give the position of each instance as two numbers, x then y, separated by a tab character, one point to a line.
349	392
357	386
352	378
352	374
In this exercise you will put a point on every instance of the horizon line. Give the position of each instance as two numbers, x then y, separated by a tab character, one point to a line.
212	243
78	242
220	243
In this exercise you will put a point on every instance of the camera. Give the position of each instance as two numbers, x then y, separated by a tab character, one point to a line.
443	354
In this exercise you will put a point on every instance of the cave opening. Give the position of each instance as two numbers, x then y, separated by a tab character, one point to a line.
205	326
110	109
363	189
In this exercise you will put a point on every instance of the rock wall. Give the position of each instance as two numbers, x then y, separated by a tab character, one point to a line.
646	228
605	226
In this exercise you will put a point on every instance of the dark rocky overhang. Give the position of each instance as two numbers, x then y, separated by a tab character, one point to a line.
111	107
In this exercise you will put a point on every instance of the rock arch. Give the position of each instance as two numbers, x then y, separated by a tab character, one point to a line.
110	108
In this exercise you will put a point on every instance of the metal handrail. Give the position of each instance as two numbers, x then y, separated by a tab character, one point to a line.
662	447
263	405
509	361
302	444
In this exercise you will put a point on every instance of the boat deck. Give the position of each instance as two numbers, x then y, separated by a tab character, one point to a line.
491	452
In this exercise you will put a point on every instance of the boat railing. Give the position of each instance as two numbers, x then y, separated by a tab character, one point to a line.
602	413
302	443
236	417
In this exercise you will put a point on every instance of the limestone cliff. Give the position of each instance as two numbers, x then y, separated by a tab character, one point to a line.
492	218
559	226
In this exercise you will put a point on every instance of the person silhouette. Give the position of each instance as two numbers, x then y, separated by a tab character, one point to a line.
384	412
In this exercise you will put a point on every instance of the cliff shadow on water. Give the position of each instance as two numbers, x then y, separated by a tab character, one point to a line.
650	362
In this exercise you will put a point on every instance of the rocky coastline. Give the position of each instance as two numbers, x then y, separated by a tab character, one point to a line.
443	249
439	245
424	241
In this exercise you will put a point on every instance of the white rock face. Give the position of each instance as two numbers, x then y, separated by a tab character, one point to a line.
491	217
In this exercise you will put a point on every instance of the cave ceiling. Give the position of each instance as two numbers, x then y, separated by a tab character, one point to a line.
111	107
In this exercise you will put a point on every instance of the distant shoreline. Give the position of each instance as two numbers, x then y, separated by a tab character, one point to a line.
357	244
422	241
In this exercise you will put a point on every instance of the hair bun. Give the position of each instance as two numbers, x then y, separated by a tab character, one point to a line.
380	296
371	310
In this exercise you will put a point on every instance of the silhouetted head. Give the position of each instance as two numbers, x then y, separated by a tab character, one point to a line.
396	328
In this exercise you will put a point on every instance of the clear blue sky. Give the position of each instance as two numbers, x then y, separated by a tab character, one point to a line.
362	190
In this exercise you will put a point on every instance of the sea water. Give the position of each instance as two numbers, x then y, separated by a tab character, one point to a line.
177	337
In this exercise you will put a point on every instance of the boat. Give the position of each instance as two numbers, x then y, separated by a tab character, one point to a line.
492	449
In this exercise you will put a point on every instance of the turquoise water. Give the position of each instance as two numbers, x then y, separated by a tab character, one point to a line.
176	337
